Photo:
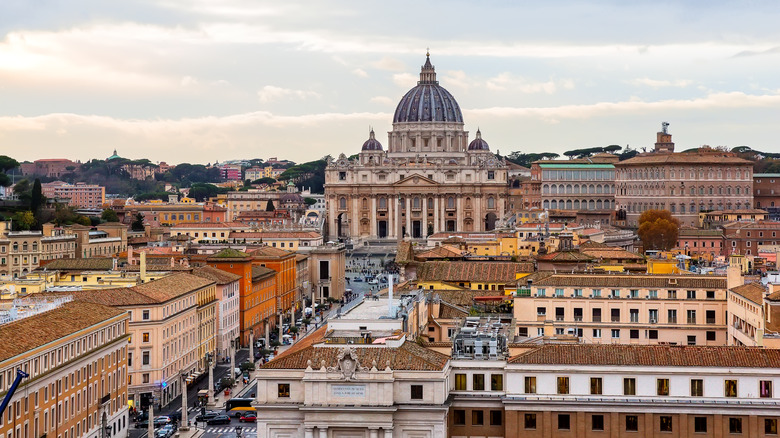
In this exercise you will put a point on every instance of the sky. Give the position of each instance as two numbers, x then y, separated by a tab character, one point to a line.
201	81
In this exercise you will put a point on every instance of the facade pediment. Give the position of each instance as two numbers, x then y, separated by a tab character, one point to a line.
416	181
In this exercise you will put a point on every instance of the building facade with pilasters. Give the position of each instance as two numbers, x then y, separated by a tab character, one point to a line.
429	180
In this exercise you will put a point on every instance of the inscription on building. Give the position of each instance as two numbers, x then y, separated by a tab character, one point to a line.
348	390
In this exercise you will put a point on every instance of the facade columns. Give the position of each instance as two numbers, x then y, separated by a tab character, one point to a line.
323	431
409	216
501	212
354	226
372	213
332	228
308	432
373	433
478	213
388	433
436	216
424	224
459	213
396	218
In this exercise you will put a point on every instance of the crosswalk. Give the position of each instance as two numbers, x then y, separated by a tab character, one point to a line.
190	410
227	429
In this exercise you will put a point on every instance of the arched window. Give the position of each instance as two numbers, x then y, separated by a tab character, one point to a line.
365	204
24	246
576	204
673	208
554	204
568	188
450	202
682	208
546	204
382	202
568	204
468	202
546	189
416	203
342	203
491	202
430	203
599	205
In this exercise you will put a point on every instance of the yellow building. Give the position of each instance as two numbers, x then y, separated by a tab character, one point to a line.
473	275
76	356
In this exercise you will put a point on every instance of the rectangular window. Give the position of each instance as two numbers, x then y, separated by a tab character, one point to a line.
564	422
496	418
615	333
691	316
563	385
145	337
634	334
691	295
712	336
596	333
496	382
730	387
530	421
417	392
460	382
735	425
596	385
478	382
597	422
145	358
666	423
697	388
459	417
283	390
700	424
632	423
145	315
671	316
530	385
477	418
691	339
629	386
662	386
765	388
770	426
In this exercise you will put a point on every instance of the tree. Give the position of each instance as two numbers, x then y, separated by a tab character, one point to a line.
658	230
7	163
109	215
612	148
138	223
36	197
24	220
270	206
309	201
83	220
265	180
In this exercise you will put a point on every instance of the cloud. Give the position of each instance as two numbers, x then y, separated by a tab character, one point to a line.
654	83
388	63
188	81
405	79
271	93
771	51
383	100
508	82
360	73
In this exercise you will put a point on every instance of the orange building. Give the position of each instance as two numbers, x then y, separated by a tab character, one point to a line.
257	291
283	262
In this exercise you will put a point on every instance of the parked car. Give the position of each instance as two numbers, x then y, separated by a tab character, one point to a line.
206	417
162	419
165	432
249	417
219	419
237	371
357	280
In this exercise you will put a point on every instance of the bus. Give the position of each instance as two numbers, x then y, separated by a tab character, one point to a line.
238	406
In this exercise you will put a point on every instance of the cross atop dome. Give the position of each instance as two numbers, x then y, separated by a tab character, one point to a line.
428	72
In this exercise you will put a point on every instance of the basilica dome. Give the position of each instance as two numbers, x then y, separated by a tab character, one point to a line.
478	144
428	101
372	144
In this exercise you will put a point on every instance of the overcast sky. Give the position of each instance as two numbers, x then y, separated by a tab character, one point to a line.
206	80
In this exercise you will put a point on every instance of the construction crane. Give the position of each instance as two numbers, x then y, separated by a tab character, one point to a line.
19	376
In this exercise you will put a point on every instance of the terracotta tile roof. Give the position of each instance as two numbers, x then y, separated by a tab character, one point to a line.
634	280
216	275
773	325
269	252
171	286
299	257
88	264
752	291
116	297
611	253
259	272
697	157
408	356
650	355
34	331
450	311
315	337
593	245
212	225
565	256
277	235
488	272
405	253
461	297
440	252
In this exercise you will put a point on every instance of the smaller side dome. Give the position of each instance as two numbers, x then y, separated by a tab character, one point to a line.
372	144
478	144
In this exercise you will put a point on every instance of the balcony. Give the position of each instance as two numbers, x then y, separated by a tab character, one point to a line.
710	320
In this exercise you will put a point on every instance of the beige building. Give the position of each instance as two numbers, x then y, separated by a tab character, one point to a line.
684	183
76	356
22	252
291	240
80	195
104	240
227	319
625	308
210	232
170	332
430	178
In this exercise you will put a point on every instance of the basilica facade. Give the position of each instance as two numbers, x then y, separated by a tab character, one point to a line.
429	179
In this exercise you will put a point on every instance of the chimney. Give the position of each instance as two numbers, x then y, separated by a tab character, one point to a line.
734	276
129	255
143	267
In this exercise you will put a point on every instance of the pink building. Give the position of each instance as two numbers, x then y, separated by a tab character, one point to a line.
80	195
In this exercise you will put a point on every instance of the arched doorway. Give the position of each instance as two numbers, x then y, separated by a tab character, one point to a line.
490	222
342	226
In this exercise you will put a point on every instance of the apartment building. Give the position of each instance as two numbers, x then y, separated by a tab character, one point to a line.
211	232
22	252
75	354
766	192
292	240
625	308
50	167
582	184
227	318
283	262
745	238
104	240
80	195
169	332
